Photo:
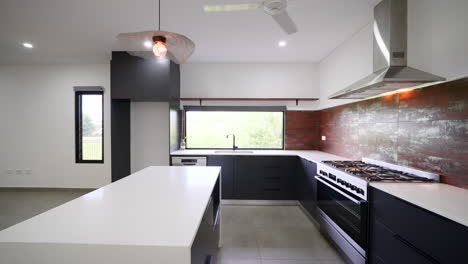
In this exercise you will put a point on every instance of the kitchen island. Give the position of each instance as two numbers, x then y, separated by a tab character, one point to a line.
157	215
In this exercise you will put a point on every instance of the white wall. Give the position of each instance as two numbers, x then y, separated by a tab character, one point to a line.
37	130
242	80
348	63
149	134
438	38
437	43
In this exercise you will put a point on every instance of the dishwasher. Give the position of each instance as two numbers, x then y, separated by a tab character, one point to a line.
188	161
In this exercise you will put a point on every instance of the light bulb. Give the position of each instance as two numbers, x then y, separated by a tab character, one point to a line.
28	45
159	49
148	44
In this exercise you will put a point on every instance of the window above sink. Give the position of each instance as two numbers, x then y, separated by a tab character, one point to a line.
253	127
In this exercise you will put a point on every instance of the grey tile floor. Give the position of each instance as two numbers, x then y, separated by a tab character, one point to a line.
272	235
19	205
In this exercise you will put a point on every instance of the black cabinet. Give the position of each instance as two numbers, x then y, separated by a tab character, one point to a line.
257	177
307	185
265	178
142	79
120	129
419	236
206	243
227	174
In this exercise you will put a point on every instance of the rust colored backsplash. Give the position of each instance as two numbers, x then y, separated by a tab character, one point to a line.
302	130
425	128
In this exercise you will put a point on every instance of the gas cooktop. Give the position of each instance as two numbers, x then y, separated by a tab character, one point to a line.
373	172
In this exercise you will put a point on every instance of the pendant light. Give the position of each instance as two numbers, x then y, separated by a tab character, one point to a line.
159	42
176	47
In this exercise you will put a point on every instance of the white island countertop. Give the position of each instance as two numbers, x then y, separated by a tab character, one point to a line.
311	155
442	199
151	216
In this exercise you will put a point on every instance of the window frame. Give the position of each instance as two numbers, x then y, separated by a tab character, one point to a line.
79	124
235	109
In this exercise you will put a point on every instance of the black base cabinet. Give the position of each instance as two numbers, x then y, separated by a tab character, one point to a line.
404	233
257	177
227	174
307	185
206	243
265	178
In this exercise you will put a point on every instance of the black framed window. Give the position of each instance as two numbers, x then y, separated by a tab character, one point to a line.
89	125
254	127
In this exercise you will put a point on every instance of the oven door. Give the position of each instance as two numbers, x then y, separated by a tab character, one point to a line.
347	212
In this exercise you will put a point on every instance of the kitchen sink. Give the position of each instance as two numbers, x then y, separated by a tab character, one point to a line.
234	151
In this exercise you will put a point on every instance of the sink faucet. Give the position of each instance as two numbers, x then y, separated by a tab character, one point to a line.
234	147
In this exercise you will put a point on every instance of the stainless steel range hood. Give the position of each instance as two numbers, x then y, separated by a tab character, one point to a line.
390	56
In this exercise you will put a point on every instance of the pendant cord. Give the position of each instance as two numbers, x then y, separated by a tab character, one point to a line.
159	16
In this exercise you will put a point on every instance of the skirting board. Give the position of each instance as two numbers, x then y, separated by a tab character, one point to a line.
260	202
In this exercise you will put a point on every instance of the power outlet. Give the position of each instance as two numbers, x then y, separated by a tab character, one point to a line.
27	171
18	172
9	172
324	138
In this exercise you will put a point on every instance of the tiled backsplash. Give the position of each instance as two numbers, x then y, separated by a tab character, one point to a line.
425	128
302	130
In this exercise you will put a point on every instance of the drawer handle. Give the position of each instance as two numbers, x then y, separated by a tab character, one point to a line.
419	251
272	189
272	177
272	167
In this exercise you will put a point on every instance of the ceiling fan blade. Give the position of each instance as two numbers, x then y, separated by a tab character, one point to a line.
179	47
228	8
286	23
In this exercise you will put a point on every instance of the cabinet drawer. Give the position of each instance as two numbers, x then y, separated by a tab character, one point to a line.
266	162
268	188
442	238
389	248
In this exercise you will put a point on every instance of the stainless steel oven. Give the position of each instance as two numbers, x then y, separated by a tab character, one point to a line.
343	218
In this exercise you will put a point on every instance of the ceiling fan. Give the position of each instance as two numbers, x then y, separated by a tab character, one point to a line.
156	43
275	8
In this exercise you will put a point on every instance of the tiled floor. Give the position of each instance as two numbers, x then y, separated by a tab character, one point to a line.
272	235
17	206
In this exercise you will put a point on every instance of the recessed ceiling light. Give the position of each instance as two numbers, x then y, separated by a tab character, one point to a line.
148	44
282	43
28	45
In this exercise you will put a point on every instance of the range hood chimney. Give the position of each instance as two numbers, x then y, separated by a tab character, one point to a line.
391	72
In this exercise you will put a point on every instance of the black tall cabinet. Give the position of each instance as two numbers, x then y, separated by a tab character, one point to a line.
137	79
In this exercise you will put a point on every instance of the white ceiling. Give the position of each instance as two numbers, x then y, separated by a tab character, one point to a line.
84	31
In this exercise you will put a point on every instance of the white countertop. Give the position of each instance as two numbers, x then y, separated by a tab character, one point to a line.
442	199
445	200
311	155
155	207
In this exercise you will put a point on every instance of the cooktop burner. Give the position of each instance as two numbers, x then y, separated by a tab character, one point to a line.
372	172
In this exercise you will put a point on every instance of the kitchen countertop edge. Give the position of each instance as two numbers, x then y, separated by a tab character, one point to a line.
442	199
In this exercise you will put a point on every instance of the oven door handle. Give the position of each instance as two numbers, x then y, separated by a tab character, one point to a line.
339	191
